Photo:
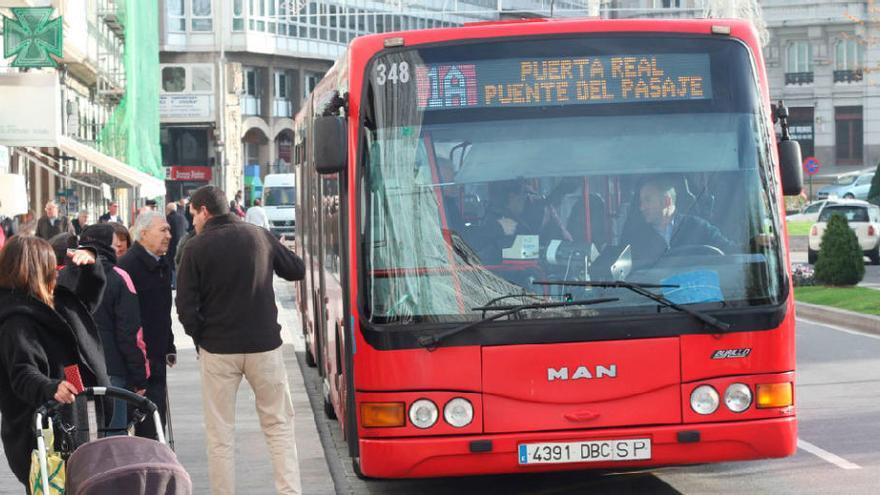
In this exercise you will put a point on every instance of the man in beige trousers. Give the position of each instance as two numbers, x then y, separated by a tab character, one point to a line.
226	303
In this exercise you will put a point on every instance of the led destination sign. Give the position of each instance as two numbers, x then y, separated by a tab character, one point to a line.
554	81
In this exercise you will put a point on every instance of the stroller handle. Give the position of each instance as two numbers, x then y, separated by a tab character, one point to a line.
140	402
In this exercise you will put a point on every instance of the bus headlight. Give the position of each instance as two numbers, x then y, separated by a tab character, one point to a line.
423	413
458	412
738	397
704	400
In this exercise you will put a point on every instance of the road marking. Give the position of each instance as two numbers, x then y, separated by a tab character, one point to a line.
826	456
840	329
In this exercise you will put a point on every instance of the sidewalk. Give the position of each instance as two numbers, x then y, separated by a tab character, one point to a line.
253	466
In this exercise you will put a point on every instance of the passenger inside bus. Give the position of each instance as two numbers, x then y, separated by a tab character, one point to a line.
664	230
514	209
567	202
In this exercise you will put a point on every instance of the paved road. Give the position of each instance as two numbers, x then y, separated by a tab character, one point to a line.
839	382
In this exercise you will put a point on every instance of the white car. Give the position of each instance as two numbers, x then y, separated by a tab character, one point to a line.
279	201
810	212
863	219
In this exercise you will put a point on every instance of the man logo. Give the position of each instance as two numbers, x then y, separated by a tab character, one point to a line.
582	373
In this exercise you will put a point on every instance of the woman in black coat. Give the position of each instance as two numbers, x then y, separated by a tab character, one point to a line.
44	327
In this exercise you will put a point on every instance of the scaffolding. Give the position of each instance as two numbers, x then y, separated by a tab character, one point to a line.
131	134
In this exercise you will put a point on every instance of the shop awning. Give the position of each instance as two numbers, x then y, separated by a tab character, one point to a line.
148	186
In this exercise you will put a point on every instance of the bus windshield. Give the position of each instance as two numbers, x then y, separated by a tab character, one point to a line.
492	166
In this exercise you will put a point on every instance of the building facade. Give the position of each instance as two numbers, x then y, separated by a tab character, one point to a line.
86	165
819	59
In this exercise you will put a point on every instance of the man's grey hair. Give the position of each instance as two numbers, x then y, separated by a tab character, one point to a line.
170	207
144	221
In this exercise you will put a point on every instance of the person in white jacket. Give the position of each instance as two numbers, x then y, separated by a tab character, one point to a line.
257	215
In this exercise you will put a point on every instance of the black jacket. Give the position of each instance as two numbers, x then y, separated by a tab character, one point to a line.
119	321
152	280
36	343
178	225
648	245
225	298
46	230
107	217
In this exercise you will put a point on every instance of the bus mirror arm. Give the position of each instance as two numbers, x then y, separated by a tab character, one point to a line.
790	165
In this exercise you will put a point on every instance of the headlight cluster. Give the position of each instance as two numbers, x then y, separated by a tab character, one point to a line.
705	399
458	413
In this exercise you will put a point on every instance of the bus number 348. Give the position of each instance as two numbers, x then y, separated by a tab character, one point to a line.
396	72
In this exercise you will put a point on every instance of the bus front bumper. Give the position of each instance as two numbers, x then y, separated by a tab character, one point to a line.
452	456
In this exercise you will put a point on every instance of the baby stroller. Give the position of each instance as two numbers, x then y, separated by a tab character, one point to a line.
114	464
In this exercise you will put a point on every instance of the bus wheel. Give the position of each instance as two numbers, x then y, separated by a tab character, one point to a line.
310	357
356	467
328	408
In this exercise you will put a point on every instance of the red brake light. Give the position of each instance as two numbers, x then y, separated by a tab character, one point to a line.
870	230
814	231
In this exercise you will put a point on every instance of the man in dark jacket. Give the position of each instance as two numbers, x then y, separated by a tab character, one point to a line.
178	228
119	322
226	303
36	343
111	215
50	224
662	228
149	270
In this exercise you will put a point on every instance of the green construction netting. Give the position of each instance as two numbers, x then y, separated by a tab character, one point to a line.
132	132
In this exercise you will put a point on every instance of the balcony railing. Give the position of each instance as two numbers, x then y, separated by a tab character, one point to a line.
848	76
282	107
798	78
250	105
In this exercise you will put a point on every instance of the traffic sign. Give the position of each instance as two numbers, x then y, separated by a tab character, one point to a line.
811	165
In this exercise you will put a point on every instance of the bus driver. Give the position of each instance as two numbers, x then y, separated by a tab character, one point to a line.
664	228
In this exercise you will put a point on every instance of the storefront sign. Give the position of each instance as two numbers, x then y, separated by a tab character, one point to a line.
186	108
31	103
202	174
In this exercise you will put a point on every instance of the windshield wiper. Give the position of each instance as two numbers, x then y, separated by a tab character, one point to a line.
431	341
490	304
641	289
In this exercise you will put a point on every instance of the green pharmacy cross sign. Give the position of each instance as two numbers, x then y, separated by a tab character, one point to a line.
31	37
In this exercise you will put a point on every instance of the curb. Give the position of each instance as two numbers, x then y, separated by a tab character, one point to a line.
841	317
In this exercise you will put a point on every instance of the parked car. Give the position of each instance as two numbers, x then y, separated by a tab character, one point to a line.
863	219
848	187
810	211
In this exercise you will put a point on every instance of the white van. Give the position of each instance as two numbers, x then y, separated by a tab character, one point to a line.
279	201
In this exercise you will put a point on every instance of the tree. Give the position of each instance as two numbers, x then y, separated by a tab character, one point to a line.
874	193
840	257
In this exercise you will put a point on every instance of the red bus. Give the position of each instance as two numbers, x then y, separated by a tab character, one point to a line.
549	245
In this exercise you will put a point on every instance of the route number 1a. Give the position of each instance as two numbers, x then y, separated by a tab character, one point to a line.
396	73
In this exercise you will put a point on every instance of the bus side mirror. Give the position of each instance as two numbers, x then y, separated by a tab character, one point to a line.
791	168
331	145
